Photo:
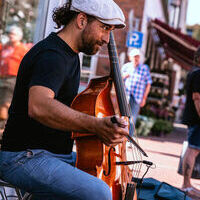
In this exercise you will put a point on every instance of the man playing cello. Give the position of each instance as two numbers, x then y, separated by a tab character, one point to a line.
36	151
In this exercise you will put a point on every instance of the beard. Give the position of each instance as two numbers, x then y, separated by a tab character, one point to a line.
90	45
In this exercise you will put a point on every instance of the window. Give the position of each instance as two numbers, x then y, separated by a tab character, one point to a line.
85	72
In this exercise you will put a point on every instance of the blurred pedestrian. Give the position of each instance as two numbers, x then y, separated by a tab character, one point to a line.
191	118
137	81
11	55
179	112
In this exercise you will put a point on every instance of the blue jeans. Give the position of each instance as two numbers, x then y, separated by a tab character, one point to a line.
194	136
135	108
51	176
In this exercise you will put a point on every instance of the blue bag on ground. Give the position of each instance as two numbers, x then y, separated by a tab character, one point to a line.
152	189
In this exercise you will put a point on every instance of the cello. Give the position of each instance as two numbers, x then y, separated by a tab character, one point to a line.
103	97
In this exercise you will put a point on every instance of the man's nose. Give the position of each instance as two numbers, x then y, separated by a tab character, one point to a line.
106	37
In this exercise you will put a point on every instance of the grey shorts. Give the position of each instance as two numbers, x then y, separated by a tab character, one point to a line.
6	89
194	136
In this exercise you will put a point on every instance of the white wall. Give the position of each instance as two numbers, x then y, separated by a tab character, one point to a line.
152	9
180	15
50	24
44	23
183	15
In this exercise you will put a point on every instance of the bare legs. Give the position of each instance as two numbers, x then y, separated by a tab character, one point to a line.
188	165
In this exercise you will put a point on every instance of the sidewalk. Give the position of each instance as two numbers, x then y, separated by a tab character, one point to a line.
165	152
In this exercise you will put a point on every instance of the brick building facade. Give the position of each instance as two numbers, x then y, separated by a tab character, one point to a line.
120	35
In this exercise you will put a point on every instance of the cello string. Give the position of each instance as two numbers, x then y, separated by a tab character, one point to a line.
139	156
127	176
112	53
118	81
135	153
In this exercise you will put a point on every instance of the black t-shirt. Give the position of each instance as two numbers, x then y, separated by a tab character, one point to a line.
190	115
53	64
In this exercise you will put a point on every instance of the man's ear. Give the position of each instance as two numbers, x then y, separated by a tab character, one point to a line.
81	20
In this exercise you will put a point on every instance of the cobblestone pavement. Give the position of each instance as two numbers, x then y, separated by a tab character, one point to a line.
165	153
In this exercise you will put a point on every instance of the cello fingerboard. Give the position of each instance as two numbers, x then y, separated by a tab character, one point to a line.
116	75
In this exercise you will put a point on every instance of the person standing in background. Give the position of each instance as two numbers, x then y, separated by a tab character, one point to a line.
191	117
11	55
137	80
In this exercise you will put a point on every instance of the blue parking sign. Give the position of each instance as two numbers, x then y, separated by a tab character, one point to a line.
134	39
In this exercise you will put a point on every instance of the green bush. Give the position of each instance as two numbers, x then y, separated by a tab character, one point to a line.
162	127
144	125
146	111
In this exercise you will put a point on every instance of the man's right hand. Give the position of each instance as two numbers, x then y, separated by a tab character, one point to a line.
111	133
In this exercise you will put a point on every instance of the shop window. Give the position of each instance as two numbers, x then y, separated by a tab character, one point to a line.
86	61
85	72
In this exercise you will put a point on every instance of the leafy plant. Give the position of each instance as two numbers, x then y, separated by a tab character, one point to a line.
144	125
161	127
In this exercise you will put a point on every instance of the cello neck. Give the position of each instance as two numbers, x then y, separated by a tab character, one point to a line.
117	78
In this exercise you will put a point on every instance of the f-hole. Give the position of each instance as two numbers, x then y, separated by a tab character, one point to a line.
109	162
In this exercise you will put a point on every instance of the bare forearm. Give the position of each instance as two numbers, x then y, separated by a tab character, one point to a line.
44	108
147	90
59	116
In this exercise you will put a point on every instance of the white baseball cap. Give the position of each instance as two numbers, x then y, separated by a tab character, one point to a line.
106	11
134	52
16	30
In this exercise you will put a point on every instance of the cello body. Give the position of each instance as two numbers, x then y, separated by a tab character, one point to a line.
105	97
92	155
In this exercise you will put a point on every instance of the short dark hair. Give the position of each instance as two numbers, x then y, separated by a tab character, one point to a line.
197	56
62	16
